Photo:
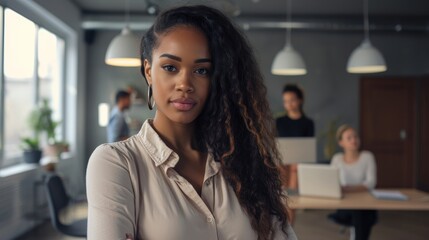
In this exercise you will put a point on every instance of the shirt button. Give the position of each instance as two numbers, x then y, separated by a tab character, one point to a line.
209	219
208	182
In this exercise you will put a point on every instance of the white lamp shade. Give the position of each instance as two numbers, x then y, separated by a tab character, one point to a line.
366	59
123	51
288	62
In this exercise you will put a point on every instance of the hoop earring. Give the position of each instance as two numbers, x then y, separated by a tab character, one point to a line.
150	101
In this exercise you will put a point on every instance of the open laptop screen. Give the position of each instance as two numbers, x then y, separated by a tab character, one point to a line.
317	180
297	150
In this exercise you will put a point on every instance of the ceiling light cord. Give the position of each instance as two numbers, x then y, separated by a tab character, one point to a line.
289	23
127	13
366	19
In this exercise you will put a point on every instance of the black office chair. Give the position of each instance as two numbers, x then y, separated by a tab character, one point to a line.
58	200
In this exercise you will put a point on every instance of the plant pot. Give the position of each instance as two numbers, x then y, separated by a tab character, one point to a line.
54	149
32	156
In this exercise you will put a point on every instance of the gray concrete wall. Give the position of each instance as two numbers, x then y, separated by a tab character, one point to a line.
73	168
330	91
103	82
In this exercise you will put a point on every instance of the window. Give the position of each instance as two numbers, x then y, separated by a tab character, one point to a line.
33	62
50	75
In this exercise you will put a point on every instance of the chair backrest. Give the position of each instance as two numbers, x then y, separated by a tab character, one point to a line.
57	198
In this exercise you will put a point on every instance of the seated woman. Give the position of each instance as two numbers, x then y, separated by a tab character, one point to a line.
357	173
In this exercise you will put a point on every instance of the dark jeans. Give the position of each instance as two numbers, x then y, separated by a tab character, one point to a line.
361	220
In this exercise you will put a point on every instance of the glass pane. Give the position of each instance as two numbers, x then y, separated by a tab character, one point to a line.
19	58
50	59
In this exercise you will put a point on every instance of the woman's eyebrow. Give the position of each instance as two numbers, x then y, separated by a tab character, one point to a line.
171	57
179	59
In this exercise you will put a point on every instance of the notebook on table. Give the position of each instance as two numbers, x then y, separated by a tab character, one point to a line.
389	195
317	180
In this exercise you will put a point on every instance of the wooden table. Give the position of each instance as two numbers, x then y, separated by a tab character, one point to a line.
417	200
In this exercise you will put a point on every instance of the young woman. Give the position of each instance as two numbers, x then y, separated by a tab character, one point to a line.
206	166
357	173
295	123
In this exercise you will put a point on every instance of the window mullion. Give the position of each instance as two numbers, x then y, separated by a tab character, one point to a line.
64	93
36	68
2	91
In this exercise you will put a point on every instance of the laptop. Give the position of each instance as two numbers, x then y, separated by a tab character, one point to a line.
297	150
316	180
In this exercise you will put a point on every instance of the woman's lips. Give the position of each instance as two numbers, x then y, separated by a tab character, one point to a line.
183	104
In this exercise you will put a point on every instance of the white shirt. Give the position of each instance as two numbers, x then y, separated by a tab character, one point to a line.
132	188
361	172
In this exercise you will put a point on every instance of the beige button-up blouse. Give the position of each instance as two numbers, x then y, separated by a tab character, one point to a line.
133	189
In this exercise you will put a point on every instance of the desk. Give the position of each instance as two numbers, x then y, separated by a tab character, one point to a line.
417	200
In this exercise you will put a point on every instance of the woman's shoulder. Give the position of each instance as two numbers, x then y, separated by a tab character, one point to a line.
338	155
367	155
282	118
118	152
106	152
306	118
337	158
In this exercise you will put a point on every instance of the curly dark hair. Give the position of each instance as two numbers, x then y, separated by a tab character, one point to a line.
236	122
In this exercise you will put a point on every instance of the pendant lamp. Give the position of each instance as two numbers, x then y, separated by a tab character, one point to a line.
366	58
123	51
288	61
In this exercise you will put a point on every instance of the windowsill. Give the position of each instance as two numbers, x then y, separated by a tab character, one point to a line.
25	167
18	169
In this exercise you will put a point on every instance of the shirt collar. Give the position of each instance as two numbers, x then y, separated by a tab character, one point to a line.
162	155
158	150
212	167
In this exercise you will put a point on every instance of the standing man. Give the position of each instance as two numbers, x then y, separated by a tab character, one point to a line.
118	130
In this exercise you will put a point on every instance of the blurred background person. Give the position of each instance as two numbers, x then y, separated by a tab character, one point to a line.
117	129
295	123
357	173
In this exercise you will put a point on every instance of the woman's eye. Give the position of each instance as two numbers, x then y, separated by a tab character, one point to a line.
169	68
202	71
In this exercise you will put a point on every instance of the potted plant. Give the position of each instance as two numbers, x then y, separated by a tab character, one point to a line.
41	121
32	152
330	143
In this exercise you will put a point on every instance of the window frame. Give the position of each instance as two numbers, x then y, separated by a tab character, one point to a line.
43	19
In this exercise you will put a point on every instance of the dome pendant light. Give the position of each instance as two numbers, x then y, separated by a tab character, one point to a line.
288	61
366	58
123	51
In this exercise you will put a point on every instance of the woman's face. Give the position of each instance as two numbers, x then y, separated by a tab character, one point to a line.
180	74
350	140
291	102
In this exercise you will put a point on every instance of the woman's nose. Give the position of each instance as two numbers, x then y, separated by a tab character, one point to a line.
184	83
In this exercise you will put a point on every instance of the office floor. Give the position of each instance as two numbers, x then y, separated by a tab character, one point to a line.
312	224
392	225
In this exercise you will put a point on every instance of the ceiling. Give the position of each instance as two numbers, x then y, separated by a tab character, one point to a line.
325	15
399	8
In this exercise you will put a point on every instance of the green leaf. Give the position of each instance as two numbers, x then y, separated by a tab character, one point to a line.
30	143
